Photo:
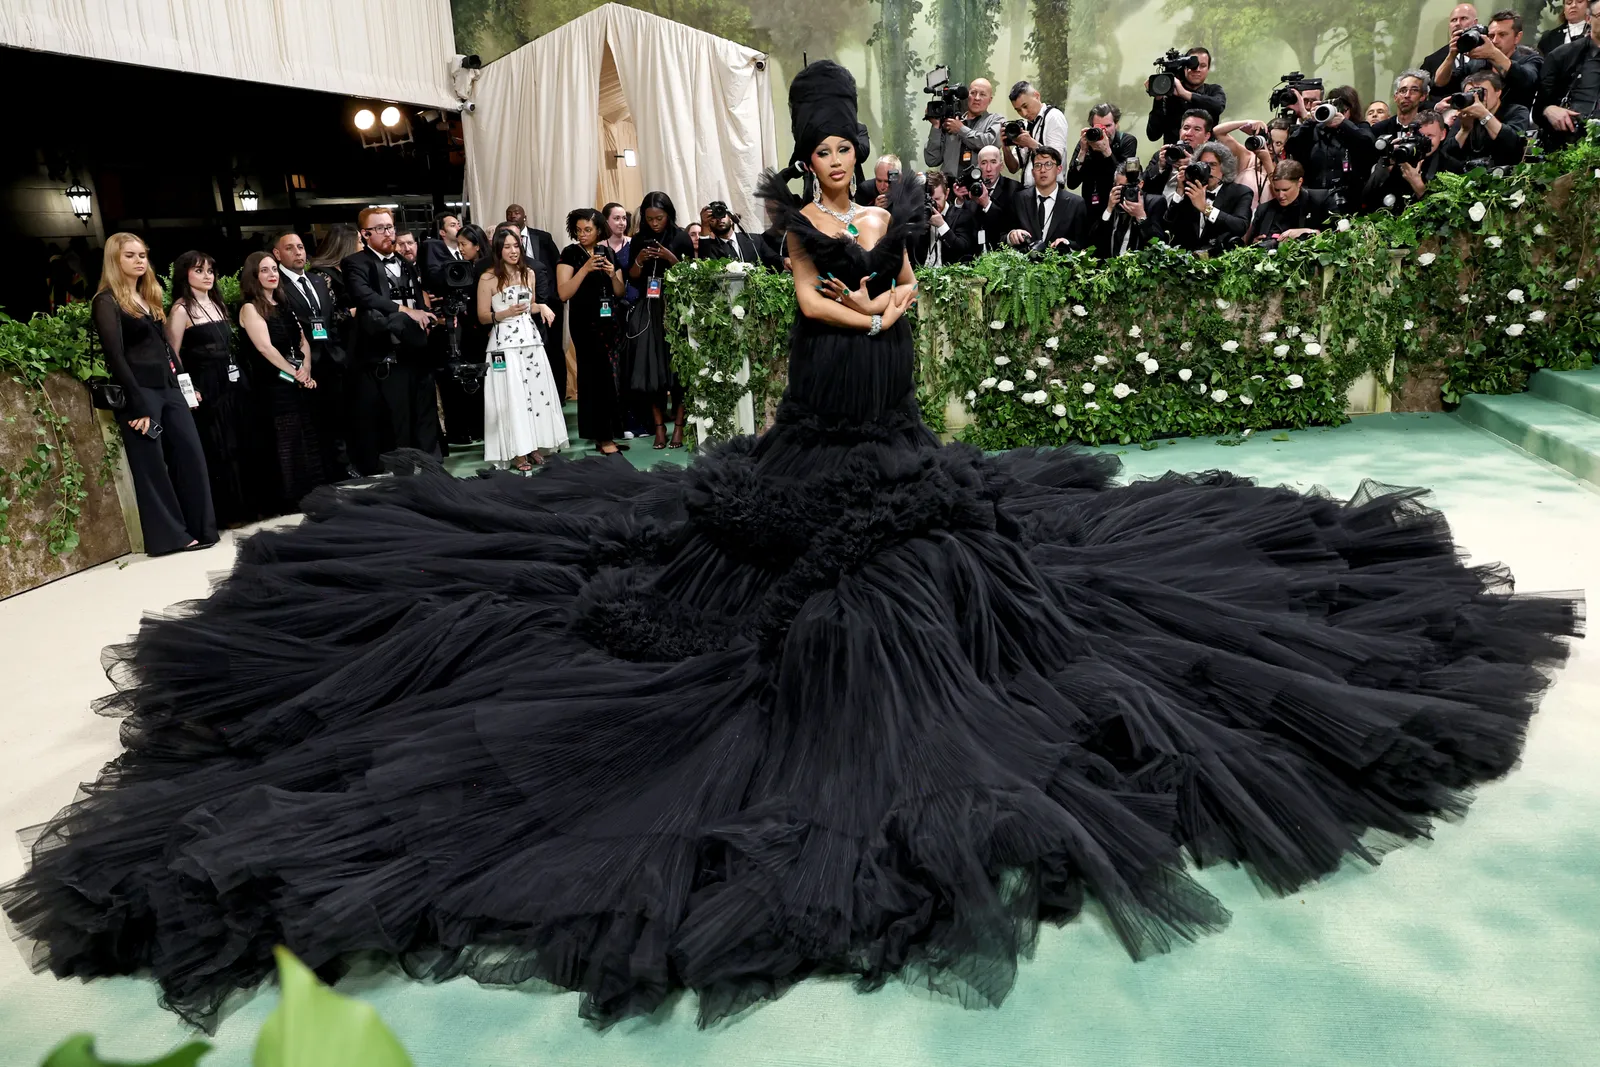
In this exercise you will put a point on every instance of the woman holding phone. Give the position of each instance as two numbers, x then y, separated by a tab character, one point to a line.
656	248
588	279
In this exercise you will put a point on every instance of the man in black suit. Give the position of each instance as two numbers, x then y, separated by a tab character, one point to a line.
1211	216
438	250
1569	88
1338	153
327	328
1126	223
1574	26
1102	148
539	251
875	193
1443	63
991	201
1047	215
1489	132
1393	187
723	238
1410	97
392	401
952	236
1503	52
1189	92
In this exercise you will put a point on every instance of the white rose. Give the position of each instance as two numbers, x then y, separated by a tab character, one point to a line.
1219	395
1536	316
1490	319
1492	242
695	346
1570	285
1426	259
1059	410
1091	406
1281	351
1001	361
1515	329
1040	361
1247	400
1517	198
1222	305
1269	337
1141	357
1080	311
699	403
1230	346
1028	375
1134	331
1313	349
1344	225
1101	361
972	394
987	383
1056	382
1120	391
1515	296
1088	388
1258	377
1466	298
717	377
738	311
1477	211
1052	343
1409	326
1185	374
1040	397
997	325
705	372
1295	381
1151	366
1292	331
1006	386
1187	346
708	422
1538	229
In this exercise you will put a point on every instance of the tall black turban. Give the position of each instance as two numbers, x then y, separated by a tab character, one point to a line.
822	104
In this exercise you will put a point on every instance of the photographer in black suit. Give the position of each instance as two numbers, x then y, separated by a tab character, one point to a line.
391	401
952	235
1569	88
540	253
1102	148
1396	182
1047	216
991	199
1190	90
1163	176
724	236
1126	223
1503	52
1448	65
327	327
1214	211
1489	132
1335	148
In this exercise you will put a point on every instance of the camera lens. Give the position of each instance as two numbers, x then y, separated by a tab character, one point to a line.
1094	133
1323	112
1255	142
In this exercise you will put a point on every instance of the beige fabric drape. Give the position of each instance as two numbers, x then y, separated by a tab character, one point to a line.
700	107
396	50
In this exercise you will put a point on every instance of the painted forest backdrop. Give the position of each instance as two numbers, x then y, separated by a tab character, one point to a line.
1079	52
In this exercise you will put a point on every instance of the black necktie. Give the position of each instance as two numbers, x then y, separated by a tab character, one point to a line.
305	287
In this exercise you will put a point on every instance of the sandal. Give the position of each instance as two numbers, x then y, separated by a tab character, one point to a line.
610	448
677	434
523	465
661	437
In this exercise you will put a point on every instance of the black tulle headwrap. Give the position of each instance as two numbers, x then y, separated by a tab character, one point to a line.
822	104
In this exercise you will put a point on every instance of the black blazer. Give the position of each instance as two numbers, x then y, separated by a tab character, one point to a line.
1182	222
431	260
380	327
957	245
1553	39
1313	208
334	318
1097	173
1564	74
1108	233
742	246
1069	219
991	225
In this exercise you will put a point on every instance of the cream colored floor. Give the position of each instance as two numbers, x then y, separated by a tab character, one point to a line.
1479	948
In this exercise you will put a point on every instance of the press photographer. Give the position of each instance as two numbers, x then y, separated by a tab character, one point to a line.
1408	158
952	235
1040	124
1335	149
1125	225
1569	89
1102	148
1048	217
1179	87
1163	176
1489	131
1410	95
876	192
1498	48
725	237
991	196
1214	211
1293	210
959	122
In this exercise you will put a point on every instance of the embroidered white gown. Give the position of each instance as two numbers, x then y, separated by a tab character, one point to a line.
521	408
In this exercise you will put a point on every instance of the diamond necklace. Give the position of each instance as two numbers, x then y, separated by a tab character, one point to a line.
846	217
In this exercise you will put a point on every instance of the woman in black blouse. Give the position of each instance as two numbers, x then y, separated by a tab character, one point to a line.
589	281
655	249
158	431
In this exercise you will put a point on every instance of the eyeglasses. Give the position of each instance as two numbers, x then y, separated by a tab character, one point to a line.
379	229
1044	163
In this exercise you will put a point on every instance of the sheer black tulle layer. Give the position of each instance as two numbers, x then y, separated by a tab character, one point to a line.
837	700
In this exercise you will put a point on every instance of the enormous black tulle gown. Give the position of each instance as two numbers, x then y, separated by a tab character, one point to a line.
835	699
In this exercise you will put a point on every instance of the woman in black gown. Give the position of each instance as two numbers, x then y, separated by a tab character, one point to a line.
654	250
835	699
588	279
200	332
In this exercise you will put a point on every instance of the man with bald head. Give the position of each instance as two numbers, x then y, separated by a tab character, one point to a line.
1446	65
992	200
953	145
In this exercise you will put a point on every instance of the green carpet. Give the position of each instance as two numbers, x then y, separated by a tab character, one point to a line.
1479	948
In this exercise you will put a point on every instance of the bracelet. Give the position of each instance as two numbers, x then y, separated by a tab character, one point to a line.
877	326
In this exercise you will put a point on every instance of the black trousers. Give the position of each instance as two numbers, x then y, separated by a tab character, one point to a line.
391	406
169	475
329	402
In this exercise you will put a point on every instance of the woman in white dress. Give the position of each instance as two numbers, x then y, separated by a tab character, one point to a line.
521	407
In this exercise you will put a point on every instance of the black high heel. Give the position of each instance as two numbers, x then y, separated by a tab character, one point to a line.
661	436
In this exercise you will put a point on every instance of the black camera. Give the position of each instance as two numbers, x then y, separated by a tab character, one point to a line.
968	179
1283	97
1172	65
1466	98
1406	145
718	209
457	279
1014	129
949	101
1472	37
1173	154
1131	191
1197	171
1094	135
1254	143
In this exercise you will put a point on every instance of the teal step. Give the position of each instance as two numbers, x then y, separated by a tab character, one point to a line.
1555	432
1578	389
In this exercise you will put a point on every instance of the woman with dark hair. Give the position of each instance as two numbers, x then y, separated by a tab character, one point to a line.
282	399
588	279
655	249
1290	209
521	406
616	231
463	411
199	331
343	240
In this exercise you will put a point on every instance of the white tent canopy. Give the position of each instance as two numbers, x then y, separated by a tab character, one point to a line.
546	125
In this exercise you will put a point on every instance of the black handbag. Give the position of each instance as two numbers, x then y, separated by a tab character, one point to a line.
104	394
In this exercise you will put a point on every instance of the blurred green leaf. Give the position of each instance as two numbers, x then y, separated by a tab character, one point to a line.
78	1051
315	1027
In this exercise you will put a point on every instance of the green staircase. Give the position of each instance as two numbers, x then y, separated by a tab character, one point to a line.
465	461
1557	419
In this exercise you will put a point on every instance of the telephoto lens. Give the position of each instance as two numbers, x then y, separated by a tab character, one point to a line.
1255	143
1323	112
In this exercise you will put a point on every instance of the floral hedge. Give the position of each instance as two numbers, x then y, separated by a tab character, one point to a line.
1486	280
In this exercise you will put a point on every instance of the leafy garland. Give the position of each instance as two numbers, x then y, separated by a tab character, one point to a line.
1470	290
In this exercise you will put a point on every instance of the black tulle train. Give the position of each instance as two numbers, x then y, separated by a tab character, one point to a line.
834	700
